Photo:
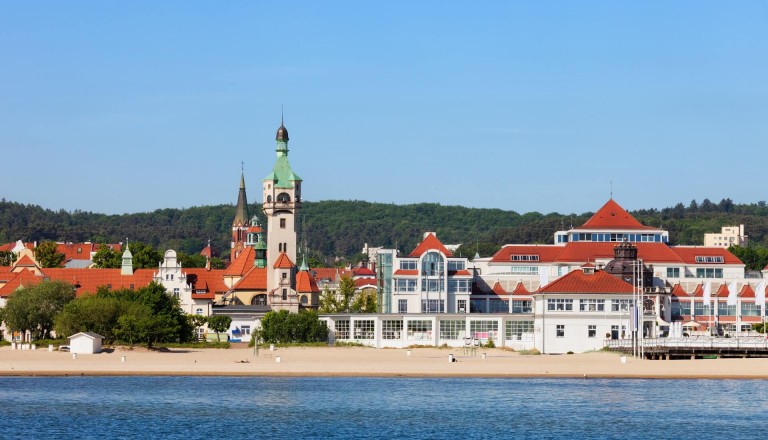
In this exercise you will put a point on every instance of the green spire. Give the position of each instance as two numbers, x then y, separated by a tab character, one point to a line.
282	174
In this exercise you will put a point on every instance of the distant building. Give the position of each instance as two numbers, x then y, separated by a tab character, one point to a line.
728	236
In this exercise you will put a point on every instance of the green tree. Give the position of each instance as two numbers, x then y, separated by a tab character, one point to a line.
107	258
7	258
346	294
218	263
365	302
91	313
284	327
219	324
328	301
48	255
34	308
144	256
192	260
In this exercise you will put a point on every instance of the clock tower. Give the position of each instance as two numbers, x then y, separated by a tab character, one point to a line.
282	202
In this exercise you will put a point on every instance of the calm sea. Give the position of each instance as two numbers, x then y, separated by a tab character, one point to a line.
350	408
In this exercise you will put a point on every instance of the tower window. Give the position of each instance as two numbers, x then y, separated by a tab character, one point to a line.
285	294
283	198
282	223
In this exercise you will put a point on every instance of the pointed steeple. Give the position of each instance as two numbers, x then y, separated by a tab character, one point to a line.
127	267
241	211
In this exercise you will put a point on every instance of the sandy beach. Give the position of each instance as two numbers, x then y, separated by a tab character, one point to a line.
357	361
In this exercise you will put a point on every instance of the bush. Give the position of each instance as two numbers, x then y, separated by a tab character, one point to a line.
284	328
489	343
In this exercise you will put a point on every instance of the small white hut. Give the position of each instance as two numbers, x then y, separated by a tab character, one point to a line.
85	343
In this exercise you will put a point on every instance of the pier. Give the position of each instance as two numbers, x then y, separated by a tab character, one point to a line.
694	347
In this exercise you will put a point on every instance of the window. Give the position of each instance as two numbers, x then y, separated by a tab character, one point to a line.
455	265
620	305
402	306
304	300
592	305
431	306
432	285
591	331
408	264
673	272
285	275
176	292
498	306
282	223
701	308
364	329
420	329
518	257
245	329
519	330
432	265
709	273
464	286
560	331
391	329
342	329
198	311
560	304
524	270
521	306
478	306
285	294
484	329
462	306
710	259
750	309
455	329
283	198
405	285
723	309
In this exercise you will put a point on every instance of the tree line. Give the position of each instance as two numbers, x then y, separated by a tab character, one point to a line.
334	232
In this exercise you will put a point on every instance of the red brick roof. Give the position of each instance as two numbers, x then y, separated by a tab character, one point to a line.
366	282
212	281
747	292
326	273
459	273
25	261
578	282
242	264
305	283
613	216
698	292
283	262
406	272
24	278
722	291
363	272
429	243
498	290
254	279
89	280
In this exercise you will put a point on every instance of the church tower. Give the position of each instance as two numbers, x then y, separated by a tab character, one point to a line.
282	202
241	223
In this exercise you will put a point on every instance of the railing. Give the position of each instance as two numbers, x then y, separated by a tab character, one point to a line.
690	342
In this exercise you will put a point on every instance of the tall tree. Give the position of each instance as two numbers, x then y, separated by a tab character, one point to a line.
7	258
34	308
144	255
48	255
346	293
219	324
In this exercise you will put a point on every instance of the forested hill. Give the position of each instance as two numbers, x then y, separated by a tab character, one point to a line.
340	228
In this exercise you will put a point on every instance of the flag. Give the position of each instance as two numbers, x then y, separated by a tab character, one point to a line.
543	276
707	293
760	295
732	293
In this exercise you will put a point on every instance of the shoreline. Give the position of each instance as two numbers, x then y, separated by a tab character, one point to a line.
368	362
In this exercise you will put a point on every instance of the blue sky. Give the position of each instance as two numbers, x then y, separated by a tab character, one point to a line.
529	106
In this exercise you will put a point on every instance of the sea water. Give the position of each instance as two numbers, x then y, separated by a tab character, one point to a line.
351	408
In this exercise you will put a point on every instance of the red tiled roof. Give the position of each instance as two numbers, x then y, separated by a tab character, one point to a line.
406	272
254	279
242	263
547	252
207	251
82	251
24	278
326	273
688	254
498	290
89	280
746	292
722	291
678	291
212	281
613	216
25	261
459	273
650	253
430	242
363	272
698	292
305	283
365	282
7	247
578	282
520	289
283	262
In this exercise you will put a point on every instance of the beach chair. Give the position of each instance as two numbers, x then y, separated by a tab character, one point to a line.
475	346
467	345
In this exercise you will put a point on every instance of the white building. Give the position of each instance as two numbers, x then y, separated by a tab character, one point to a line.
85	343
728	236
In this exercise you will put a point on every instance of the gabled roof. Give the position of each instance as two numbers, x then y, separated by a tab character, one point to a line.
722	291
254	279
89	335
650	253
366	282
429	243
520	289
612	216
404	272
242	264
283	262
698	292
326	273
305	283
89	280
25	278
25	261
210	281
498	290
578	282
363	272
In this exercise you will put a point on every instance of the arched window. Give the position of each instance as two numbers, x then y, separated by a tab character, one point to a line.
259	300
269	199
432	265
283	198
304	300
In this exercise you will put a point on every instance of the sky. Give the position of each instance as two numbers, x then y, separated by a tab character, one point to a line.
122	107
